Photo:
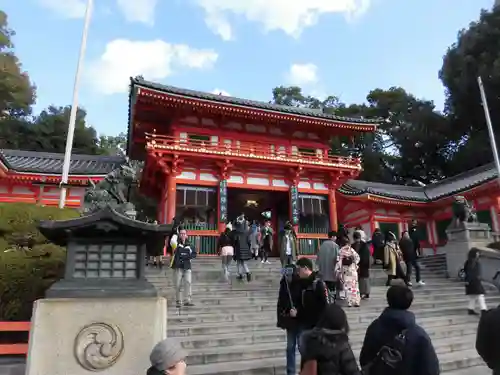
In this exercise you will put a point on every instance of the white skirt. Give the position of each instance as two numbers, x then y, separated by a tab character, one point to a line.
227	251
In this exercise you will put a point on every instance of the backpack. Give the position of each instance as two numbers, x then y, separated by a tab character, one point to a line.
329	295
389	359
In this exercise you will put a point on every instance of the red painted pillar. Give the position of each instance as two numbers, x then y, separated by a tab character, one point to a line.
171	190
332	208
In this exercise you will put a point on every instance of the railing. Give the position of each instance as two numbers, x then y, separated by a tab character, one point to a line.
313	230
206	244
201	226
254	150
309	246
14	348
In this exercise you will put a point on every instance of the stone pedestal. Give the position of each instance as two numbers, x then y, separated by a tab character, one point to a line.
78	336
461	239
103	316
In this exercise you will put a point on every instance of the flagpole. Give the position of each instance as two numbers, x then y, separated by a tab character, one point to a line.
490	126
74	106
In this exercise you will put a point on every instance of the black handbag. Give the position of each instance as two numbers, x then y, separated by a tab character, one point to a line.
347	261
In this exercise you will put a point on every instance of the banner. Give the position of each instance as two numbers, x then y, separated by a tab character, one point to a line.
223	201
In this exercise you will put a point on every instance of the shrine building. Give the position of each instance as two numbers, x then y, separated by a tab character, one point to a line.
208	158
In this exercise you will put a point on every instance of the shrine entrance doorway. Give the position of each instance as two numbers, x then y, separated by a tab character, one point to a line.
253	203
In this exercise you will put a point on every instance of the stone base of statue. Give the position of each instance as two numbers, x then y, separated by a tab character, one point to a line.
77	335
103	316
461	238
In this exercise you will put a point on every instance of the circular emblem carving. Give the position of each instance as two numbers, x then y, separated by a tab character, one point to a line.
98	346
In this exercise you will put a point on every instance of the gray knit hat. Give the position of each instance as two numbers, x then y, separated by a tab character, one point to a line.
166	354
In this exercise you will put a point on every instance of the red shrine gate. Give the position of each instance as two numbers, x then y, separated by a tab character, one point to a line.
208	157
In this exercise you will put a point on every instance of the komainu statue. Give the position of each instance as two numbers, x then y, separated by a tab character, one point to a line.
463	212
112	190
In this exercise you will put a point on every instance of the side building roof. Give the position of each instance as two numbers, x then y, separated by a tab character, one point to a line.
47	163
449	186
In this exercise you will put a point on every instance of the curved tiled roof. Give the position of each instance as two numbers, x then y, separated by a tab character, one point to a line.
316	113
52	163
449	186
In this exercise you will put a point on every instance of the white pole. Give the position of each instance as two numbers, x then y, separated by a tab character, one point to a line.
490	126
74	106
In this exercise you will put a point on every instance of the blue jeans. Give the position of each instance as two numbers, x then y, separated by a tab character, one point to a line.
292	343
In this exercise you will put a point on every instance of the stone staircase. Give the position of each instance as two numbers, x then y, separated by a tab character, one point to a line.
231	330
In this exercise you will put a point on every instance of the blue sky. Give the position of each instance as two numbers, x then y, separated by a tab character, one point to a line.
240	47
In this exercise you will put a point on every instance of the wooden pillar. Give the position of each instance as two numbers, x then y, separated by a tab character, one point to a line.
171	192
162	212
332	208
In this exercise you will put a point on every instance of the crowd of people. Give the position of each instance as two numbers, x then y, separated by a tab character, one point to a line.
307	310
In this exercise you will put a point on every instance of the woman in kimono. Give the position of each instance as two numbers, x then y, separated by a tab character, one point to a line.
348	264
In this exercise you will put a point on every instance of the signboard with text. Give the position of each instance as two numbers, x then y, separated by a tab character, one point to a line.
223	201
294	204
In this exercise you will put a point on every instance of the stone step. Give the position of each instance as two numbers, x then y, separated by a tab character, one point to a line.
355	315
255	325
449	363
278	336
374	305
260	351
253	291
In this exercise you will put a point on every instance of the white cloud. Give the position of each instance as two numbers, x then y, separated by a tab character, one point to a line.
290	16
66	8
302	74
220	92
142	11
154	60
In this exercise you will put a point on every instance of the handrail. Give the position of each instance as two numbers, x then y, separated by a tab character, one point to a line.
14	349
257	150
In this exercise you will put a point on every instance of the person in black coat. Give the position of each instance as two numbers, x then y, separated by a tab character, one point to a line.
363	250
289	300
473	286
325	350
419	356
378	243
488	339
242	252
410	256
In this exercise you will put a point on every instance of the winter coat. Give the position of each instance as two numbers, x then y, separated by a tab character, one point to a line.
293	293
183	254
408	249
363	251
293	245
488	340
392	259
327	259
378	240
473	284
415	239
419	356
253	237
241	242
330	350
225	240
266	238
313	301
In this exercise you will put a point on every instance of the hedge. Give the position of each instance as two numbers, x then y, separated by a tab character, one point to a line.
29	264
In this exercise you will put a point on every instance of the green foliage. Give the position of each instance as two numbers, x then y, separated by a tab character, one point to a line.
475	53
410	145
27	272
17	95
